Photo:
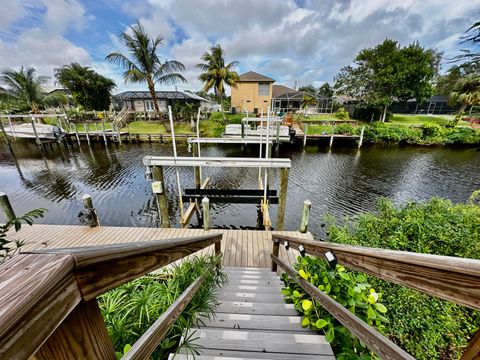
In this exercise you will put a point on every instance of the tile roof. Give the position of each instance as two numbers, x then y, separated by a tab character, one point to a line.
255	77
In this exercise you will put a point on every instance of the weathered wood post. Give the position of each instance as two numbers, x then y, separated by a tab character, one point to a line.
88	205
7	207
206	213
305	214
158	187
76	134
282	201
305	131
103	132
118	135
4	132
243	129
360	141
275	251
32	121
86	133
331	137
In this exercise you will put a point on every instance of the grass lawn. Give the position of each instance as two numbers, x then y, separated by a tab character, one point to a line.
405	119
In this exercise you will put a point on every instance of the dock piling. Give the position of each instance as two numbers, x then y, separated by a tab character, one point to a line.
103	132
305	131
307	204
275	251
93	215
7	207
360	141
4	133
282	199
12	128
86	133
158	187
37	139
206	213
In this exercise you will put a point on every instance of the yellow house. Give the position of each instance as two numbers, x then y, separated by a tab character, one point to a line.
253	93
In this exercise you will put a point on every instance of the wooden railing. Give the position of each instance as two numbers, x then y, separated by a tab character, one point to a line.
450	278
48	298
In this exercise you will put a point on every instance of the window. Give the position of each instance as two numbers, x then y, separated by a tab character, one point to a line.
149	105
263	89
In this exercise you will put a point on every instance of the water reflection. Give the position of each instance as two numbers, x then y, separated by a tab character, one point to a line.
343	181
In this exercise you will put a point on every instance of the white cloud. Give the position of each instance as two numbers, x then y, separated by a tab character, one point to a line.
11	11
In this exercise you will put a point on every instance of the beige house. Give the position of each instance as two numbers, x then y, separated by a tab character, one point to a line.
252	93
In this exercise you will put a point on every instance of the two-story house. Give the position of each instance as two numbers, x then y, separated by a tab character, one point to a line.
252	93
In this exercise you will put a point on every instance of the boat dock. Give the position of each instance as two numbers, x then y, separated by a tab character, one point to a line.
240	248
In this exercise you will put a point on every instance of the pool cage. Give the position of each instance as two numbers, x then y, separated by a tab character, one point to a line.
304	102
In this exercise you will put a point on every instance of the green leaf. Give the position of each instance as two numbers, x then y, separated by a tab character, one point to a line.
307	305
371	313
321	323
303	274
380	307
295	293
344	276
126	348
305	322
330	334
328	288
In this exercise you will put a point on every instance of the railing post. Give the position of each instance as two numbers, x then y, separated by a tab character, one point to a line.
206	213
82	335
305	214
7	207
218	253
275	251
88	204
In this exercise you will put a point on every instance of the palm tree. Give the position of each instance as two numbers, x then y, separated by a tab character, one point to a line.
144	65
307	101
467	91
216	74
24	87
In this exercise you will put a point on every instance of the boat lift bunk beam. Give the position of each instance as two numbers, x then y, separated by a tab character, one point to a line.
232	162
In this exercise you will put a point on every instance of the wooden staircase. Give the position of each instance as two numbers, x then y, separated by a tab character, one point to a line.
253	322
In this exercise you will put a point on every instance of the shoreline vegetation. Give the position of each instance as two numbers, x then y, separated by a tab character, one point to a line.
422	130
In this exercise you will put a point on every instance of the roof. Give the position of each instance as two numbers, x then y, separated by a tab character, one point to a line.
255	77
278	90
284	92
168	95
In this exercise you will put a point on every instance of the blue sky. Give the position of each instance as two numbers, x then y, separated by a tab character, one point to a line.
303	41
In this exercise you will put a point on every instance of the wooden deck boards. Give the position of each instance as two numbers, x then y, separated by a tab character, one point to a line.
240	248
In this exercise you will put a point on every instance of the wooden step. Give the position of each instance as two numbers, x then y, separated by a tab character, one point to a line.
267	277
264	269
264	289
212	354
256	322
262	342
242	307
250	297
257	282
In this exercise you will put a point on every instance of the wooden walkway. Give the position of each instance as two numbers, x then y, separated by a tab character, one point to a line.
252	321
240	248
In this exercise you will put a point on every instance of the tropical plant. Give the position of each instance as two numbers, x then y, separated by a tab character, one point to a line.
467	91
387	73
89	89
143	65
342	114
131	309
216	74
308	101
471	38
425	326
9	247
24	87
350	290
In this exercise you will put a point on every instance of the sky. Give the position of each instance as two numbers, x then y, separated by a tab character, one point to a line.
292	41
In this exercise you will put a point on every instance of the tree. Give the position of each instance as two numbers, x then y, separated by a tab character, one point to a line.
448	84
326	90
144	64
308	88
471	38
88	88
307	101
24	88
216	74
387	73
467	91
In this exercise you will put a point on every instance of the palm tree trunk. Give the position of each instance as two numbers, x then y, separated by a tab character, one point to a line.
221	107
151	88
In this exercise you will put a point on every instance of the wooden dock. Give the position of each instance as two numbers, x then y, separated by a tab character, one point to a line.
240	248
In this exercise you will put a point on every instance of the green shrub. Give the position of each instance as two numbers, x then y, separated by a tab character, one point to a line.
345	129
349	290
425	326
131	309
341	114
386	133
433	130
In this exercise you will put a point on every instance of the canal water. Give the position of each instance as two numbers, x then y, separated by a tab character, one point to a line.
343	182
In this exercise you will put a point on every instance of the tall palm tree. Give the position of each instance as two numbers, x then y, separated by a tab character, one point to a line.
467	91
24	87
216	74
143	64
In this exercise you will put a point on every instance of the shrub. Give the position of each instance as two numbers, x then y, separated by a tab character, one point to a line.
386	133
425	326
349	290
345	129
131	309
342	114
433	130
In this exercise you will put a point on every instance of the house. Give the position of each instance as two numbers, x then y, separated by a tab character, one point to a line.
255	92
252	93
437	104
141	101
